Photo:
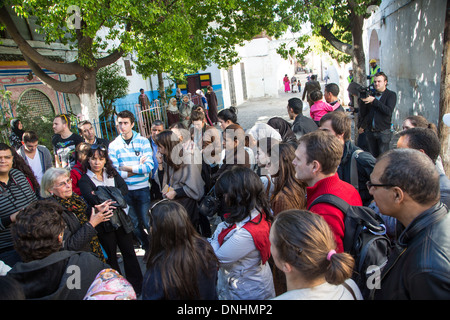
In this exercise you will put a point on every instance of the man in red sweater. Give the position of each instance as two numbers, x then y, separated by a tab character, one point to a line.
316	161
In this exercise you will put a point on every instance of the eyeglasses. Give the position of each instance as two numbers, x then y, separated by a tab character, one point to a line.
62	184
100	147
369	185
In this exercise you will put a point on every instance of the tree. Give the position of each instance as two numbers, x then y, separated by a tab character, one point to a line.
111	85
191	35
339	22
444	102
88	18
175	36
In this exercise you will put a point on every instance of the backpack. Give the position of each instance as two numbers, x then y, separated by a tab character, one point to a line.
364	238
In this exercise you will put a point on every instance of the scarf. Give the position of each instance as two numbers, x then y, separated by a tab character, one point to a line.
78	206
259	228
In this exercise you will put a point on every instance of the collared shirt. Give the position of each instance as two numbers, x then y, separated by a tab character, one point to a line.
123	154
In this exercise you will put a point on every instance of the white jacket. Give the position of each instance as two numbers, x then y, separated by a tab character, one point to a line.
242	276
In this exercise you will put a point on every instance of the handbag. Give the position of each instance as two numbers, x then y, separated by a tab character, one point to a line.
210	204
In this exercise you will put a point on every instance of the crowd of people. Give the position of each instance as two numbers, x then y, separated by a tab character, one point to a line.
266	237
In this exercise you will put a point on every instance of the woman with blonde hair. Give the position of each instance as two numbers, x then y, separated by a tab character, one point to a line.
303	247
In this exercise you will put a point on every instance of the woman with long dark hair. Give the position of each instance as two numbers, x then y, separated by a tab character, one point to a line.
178	177
227	116
117	232
15	138
289	192
181	264
241	241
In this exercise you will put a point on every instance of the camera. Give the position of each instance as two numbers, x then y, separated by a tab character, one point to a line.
364	92
358	90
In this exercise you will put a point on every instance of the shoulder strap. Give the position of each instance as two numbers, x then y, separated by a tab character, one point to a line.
331	199
350	290
354	169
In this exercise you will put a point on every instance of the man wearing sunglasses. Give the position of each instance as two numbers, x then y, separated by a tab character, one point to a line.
405	186
132	156
64	142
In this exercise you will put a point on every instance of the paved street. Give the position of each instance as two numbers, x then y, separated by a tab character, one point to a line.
262	109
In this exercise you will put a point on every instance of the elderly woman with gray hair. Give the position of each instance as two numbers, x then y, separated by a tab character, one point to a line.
80	219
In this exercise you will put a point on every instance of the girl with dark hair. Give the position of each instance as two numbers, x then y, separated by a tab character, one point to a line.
284	129
181	264
15	193
303	247
15	138
289	192
241	241
117	232
227	116
178	177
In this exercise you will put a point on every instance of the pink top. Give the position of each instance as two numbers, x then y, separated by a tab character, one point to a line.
319	109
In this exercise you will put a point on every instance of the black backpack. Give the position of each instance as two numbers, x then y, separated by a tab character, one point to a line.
364	238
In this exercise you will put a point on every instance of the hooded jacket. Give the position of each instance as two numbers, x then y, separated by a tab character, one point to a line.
63	275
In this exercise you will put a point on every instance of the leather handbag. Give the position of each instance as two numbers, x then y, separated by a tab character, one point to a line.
210	204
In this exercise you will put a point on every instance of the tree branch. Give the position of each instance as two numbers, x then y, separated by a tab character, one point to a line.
110	59
61	86
335	42
27	50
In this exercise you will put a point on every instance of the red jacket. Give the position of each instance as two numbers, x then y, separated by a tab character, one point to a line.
332	215
75	174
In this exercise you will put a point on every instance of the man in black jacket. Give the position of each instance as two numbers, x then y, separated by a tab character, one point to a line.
405	186
376	113
302	124
339	124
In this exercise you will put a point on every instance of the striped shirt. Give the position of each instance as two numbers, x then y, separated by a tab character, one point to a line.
17	194
123	154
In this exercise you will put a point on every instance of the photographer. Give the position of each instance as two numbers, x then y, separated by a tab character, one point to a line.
376	114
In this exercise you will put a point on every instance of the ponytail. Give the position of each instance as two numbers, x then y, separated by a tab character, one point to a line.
305	241
340	267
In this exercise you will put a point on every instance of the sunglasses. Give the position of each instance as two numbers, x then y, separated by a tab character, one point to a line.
369	185
152	207
100	147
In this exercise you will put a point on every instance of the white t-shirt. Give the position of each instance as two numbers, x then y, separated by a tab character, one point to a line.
36	166
324	291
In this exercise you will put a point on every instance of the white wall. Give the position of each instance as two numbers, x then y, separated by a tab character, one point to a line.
410	37
264	71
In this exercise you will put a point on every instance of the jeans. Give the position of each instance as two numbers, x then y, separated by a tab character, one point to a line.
139	204
379	142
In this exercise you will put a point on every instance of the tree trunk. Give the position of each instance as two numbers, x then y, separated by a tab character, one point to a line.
88	99
444	101
358	60
162	92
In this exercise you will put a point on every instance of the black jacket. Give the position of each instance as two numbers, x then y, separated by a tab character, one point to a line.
380	110
87	187
302	125
419	267
365	162
51	278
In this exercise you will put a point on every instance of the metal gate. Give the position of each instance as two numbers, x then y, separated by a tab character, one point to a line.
146	117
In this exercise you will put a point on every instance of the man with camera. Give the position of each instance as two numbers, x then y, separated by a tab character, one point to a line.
376	115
